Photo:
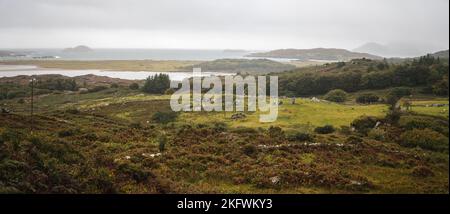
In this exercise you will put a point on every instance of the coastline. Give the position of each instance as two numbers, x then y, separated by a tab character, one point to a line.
109	65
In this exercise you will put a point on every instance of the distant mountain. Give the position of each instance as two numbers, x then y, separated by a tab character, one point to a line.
331	54
397	49
441	54
13	53
373	48
79	48
6	53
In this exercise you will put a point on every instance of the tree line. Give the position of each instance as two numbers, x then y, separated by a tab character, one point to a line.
427	71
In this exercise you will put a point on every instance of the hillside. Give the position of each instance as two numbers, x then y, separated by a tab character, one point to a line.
6	53
108	140
395	49
243	66
441	54
315	54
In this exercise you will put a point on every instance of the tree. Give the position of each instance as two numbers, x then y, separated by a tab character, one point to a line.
336	95
162	143
367	98
156	84
441	87
134	86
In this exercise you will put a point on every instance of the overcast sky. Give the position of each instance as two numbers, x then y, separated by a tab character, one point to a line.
213	24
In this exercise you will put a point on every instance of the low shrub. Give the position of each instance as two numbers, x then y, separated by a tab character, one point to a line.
364	124
244	130
346	130
90	136
136	125
377	134
275	132
169	91
98	88
134	171
425	139
164	117
73	111
353	140
134	86
393	116
67	132
249	149
327	129
300	136
422	122
422	172
220	127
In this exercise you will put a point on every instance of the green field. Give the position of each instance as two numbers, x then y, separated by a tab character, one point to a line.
304	114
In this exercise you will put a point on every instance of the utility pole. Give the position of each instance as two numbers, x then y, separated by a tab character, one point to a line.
32	102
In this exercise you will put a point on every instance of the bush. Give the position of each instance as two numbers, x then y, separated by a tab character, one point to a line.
327	129
244	130
400	91
73	111
134	86
249	149
67	132
300	136
425	139
16	94
98	88
135	171
393	116
164	117
345	130
367	98
220	127
422	172
354	140
441	87
364	124
422	122
114	85
90	136
377	134
169	91
275	132
336	95
58	84
136	125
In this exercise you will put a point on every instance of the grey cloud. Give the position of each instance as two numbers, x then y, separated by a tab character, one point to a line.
343	23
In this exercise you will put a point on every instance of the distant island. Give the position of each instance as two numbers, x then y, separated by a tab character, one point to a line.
333	54
79	48
234	51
